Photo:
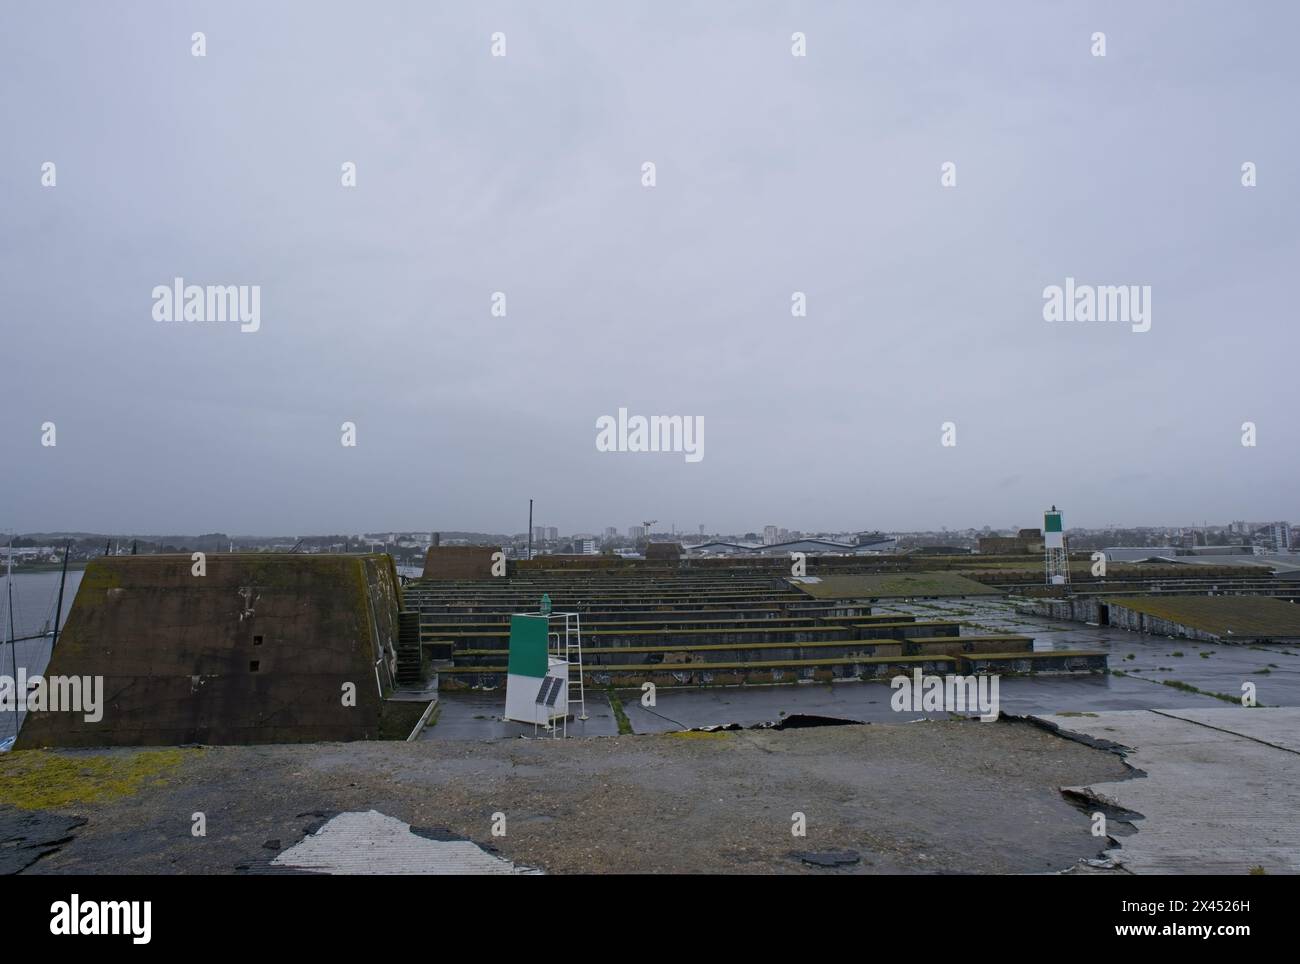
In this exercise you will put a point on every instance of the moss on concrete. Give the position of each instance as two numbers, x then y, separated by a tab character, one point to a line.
1243	616
879	584
398	718
616	704
95	584
42	780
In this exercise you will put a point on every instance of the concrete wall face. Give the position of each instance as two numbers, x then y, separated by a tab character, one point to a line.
257	650
1080	609
1122	617
459	562
1008	545
384	601
592	659
1131	619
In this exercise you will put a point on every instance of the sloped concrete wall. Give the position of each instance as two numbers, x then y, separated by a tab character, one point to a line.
257	650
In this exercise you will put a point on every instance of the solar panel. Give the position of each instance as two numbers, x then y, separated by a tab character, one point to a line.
555	690
549	691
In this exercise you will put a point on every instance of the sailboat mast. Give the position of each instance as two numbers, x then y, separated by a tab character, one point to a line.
58	608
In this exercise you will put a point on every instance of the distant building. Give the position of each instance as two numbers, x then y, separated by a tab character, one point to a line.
1026	542
717	548
584	545
817	547
769	536
30	553
636	532
1280	533
1139	553
870	546
1219	551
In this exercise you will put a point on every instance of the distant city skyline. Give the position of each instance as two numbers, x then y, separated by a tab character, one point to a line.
553	533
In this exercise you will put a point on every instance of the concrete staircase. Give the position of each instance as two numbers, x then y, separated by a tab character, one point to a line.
410	673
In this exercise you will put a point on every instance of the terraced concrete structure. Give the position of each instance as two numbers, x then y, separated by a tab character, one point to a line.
259	648
713	626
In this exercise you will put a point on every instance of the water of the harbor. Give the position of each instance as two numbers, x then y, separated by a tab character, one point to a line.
35	595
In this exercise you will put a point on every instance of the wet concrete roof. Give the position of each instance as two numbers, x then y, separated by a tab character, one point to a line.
1274	671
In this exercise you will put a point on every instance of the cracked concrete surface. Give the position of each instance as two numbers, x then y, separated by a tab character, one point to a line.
1220	792
926	797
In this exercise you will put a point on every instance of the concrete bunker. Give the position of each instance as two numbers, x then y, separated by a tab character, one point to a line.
261	648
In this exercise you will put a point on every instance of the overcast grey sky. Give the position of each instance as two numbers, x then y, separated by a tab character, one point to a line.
522	174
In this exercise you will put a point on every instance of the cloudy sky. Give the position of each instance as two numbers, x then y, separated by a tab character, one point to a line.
523	174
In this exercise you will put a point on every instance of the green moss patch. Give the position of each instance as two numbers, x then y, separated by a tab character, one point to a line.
41	779
620	715
397	718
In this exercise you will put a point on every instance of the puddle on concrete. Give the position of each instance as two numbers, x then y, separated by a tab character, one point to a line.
827	858
1275	671
797	721
477	715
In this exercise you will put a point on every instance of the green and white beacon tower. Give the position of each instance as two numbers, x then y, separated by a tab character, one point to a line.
544	675
1058	565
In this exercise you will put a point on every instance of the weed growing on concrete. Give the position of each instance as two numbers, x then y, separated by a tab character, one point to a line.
616	704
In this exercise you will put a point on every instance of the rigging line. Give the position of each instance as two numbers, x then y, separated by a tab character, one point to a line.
13	647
